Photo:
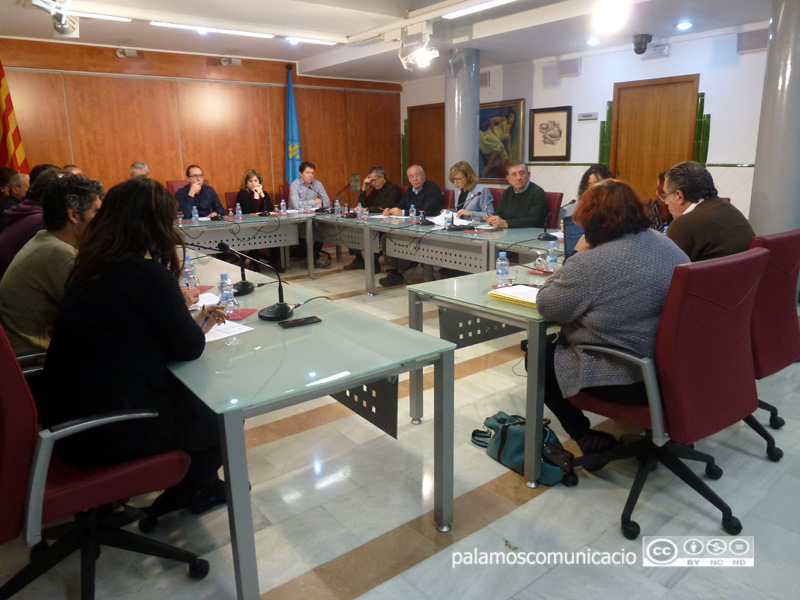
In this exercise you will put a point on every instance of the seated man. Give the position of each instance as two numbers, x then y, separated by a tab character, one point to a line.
427	198
18	185
703	226
523	204
139	168
377	193
34	283
310	192
196	193
25	219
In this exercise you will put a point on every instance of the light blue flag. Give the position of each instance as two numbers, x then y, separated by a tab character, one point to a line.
293	156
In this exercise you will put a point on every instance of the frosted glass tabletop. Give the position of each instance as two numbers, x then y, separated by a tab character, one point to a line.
473	291
248	220
270	364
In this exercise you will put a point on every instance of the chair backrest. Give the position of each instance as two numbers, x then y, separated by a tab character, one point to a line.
703	352
572	234
449	199
496	193
774	327
283	193
230	199
174	185
404	189
553	204
725	199
18	432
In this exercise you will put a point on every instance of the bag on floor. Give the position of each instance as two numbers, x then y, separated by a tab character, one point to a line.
503	437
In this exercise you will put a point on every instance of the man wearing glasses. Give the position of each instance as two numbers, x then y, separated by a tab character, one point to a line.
196	193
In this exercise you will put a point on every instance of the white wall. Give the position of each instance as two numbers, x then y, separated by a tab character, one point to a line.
732	83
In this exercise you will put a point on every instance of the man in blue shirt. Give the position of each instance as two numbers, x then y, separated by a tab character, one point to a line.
308	190
196	193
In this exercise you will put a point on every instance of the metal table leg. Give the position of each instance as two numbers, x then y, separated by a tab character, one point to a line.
443	441
415	376
534	405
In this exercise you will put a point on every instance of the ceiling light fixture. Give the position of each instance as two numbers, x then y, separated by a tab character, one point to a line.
414	49
610	15
204	30
592	41
477	8
296	40
684	25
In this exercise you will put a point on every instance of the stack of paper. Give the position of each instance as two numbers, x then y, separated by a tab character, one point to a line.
521	294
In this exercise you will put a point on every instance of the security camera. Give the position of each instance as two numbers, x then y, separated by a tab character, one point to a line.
640	42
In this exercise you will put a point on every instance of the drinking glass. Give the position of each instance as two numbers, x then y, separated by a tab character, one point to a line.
180	219
511	278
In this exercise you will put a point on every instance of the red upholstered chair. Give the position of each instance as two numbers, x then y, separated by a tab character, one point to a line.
553	204
775	329
703	382
449	199
230	200
174	185
283	193
38	488
404	189
497	193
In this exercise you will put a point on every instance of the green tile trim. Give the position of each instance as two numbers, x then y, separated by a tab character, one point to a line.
404	153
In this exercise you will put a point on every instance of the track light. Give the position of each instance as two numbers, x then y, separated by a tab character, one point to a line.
226	62
126	53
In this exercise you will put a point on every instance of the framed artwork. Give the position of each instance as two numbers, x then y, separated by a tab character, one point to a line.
550	134
501	134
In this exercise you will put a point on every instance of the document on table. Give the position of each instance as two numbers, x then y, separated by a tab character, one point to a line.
226	329
439	220
206	299
521	294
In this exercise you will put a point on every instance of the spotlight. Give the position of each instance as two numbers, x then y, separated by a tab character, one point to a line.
126	53
225	62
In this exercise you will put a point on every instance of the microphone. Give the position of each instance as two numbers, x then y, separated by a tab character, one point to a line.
278	311
458	206
244	287
549	237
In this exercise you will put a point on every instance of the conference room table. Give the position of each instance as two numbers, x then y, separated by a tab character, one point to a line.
269	368
468	315
253	232
433	247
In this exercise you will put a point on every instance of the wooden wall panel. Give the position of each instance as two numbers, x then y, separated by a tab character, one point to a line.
323	138
224	129
42	116
277	124
69	56
115	121
426	141
370	138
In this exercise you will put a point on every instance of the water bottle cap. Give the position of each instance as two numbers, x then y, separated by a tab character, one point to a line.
552	244
412	206
223	276
502	255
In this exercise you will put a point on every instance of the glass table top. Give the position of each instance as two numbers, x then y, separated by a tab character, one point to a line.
246	220
270	363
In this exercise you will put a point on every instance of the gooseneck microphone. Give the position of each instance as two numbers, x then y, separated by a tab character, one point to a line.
244	287
549	237
280	310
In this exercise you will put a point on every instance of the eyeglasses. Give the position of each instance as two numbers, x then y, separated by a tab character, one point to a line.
459	179
193	175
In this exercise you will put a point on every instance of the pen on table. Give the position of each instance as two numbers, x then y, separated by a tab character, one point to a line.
202	310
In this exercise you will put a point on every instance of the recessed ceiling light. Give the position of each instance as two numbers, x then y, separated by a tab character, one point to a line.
593	41
684	25
296	40
477	8
205	30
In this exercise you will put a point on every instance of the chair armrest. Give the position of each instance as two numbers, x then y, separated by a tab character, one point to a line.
31	362
650	376
32	527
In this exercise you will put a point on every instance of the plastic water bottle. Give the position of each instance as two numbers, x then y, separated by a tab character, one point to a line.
238	212
360	212
189	273
337	209
225	289
412	214
448	218
552	256
195	215
501	270
283	207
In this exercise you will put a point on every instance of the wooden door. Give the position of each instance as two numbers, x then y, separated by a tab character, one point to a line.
426	141
652	128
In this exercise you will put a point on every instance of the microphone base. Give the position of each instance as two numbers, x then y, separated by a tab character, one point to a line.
243	288
547	237
277	312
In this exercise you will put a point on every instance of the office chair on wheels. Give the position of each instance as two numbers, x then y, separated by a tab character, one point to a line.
38	488
701	382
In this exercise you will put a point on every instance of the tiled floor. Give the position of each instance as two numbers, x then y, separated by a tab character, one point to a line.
342	511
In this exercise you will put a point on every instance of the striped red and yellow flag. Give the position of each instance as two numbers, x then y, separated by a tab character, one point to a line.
12	154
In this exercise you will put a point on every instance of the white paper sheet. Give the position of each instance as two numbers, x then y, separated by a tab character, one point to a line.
226	329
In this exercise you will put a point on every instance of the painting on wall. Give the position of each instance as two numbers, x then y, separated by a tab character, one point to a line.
550	134
501	136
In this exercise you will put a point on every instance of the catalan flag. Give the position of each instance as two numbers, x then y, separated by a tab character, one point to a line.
293	156
12	154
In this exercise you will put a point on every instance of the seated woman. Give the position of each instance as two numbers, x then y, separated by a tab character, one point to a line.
121	321
252	197
610	293
473	201
592	175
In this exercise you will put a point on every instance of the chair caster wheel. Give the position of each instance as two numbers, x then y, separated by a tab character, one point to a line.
38	549
713	471
148	524
630	529
570	479
774	454
732	526
200	570
776	422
